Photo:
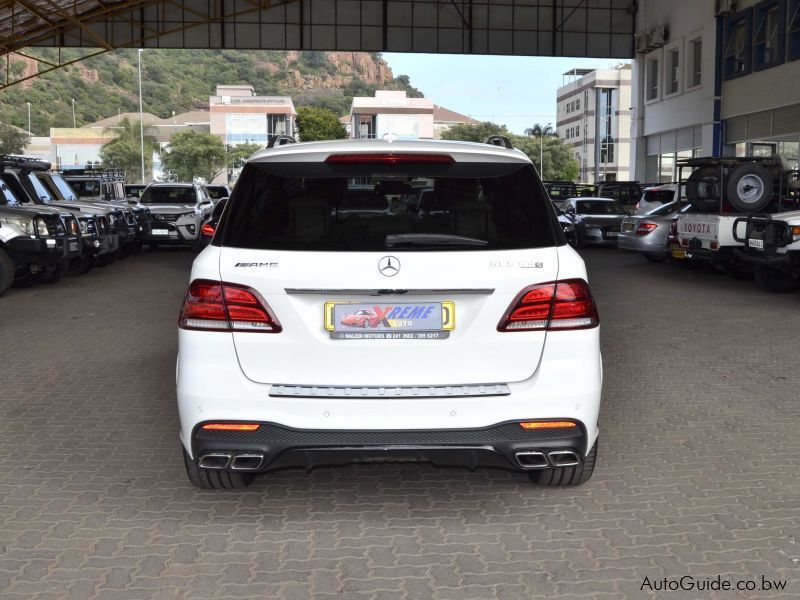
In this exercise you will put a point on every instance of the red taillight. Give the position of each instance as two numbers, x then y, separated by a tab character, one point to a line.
389	158
557	305
231	426
215	306
207	229
645	228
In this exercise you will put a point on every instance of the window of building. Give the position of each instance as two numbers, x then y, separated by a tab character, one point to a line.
607	149
666	167
578	104
652	79
770	34
673	72
738	44
694	64
794	29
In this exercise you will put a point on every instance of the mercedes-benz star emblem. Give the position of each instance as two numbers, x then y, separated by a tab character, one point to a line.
389	266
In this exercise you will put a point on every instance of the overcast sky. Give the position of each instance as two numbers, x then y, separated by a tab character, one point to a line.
515	90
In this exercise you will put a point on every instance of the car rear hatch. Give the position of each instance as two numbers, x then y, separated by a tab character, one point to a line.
375	299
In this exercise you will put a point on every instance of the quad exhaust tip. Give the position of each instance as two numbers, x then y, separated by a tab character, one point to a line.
535	459
235	462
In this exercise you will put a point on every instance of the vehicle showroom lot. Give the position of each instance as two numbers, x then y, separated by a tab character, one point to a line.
697	472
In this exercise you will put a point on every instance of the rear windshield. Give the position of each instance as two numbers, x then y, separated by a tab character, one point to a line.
169	195
662	196
345	207
86	188
599	207
217	191
664	209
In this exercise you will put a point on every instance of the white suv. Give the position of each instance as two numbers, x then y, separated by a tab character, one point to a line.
313	333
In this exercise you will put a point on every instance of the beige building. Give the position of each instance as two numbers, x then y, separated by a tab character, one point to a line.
391	112
594	119
238	116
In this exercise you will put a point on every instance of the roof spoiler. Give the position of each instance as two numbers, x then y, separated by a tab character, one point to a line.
281	140
499	140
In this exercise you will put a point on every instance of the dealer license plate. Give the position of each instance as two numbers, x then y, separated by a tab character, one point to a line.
160	232
755	243
73	246
679	254
390	320
612	234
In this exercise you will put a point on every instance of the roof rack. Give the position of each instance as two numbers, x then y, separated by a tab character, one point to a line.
499	140
24	162
281	140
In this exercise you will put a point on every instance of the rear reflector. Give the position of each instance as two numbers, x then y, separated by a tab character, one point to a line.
215	306
207	230
231	426
388	158
645	228
546	424
557	305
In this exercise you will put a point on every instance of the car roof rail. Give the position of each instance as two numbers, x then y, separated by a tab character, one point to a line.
499	140
281	140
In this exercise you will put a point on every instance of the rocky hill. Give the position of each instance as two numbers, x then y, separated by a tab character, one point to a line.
180	80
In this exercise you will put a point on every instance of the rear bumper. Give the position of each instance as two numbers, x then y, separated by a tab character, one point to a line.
273	446
630	242
212	388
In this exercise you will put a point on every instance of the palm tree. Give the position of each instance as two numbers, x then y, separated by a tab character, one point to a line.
539	129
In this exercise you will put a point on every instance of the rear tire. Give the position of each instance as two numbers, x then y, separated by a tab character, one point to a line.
703	189
566	476
749	188
207	479
6	272
775	280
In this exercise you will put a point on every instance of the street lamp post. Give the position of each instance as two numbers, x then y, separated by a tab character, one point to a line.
74	123
141	114
29	118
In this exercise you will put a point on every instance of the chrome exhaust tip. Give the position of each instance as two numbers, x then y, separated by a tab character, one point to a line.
247	462
564	458
215	460
532	459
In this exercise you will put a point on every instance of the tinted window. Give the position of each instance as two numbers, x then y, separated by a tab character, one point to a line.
598	207
662	196
169	195
86	188
217	191
343	207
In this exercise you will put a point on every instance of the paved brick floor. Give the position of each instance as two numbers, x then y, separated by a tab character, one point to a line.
698	471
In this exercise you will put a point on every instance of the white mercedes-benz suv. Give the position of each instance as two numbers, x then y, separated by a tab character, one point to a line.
320	330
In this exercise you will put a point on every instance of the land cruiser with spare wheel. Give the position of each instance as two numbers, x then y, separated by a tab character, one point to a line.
178	211
98	245
722	190
311	335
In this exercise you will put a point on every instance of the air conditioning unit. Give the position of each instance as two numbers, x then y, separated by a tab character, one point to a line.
723	8
659	36
642	45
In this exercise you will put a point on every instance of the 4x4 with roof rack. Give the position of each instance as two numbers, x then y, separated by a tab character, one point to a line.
34	242
98	243
318	330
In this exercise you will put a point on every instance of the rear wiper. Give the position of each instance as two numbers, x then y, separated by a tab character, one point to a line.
431	239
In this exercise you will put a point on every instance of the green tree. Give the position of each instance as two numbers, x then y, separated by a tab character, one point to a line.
193	155
539	129
13	140
474	133
318	124
558	162
125	151
237	155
